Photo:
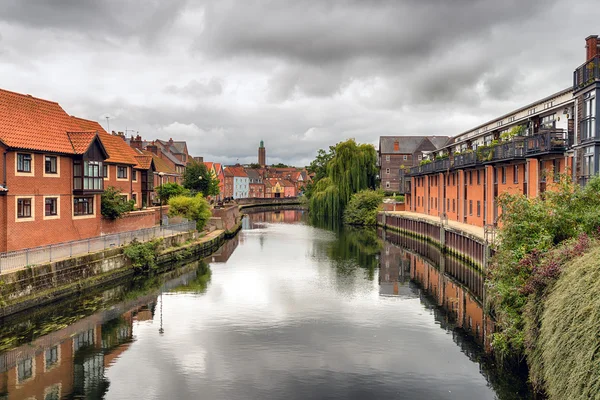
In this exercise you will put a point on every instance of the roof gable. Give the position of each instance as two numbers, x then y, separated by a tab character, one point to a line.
119	152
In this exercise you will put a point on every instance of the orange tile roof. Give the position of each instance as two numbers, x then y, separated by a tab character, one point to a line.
159	164
237	171
144	161
27	122
208	164
118	150
81	141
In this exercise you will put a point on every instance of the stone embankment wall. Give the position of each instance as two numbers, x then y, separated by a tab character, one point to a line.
226	218
42	284
462	244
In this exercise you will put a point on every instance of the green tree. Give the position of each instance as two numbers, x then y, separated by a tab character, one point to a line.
255	166
193	208
114	204
363	207
352	168
171	189
198	179
280	165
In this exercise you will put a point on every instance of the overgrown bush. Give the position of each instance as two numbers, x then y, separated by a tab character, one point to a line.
142	255
568	350
193	208
363	207
171	189
529	258
114	204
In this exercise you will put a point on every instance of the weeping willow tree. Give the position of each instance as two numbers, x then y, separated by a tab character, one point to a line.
352	168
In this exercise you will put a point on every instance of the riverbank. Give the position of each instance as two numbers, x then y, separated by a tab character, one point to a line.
47	283
463	242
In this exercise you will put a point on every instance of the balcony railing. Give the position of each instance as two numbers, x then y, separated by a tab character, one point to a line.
588	130
465	160
441	165
546	142
586	74
414	171
509	150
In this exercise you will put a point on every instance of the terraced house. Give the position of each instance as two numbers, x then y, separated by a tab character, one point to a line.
523	151
51	174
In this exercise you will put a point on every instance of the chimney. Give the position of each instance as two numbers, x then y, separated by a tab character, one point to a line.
396	146
591	46
153	148
170	141
136	142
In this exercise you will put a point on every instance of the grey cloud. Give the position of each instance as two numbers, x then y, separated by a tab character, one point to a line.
102	19
300	75
211	87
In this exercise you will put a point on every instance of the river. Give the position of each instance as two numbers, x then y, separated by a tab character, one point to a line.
286	310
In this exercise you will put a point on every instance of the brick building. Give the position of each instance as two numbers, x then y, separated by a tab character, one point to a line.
524	151
400	152
51	174
125	169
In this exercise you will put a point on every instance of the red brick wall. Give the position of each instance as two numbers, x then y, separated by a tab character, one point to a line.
129	222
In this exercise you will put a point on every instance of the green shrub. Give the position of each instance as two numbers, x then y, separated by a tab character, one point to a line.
171	189
142	255
114	204
363	207
193	208
532	231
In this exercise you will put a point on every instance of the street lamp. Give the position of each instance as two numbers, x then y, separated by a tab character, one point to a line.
161	174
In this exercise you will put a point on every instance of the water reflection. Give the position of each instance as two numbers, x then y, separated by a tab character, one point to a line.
453	291
71	360
287	310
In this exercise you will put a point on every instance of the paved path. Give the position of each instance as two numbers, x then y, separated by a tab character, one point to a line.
470	229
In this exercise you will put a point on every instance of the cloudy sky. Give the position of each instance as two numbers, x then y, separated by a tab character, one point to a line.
301	75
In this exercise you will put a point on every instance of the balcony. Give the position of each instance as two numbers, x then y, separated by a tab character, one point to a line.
588	131
510	150
441	165
546	143
586	74
467	159
421	169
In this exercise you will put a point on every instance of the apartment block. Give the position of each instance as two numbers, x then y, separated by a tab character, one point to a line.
524	151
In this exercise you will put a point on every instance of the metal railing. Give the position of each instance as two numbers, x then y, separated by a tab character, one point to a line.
465	159
512	149
18	259
546	142
587	73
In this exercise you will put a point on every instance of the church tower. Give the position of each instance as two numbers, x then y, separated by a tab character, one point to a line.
262	154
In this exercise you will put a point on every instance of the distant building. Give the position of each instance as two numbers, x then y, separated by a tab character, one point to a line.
262	154
256	185
236	182
398	152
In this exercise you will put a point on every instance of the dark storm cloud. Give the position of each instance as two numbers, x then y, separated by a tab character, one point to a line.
300	75
109	19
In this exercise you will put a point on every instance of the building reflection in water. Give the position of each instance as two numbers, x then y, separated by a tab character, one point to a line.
71	362
409	266
257	219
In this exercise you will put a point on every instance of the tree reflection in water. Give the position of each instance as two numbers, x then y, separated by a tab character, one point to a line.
354	248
